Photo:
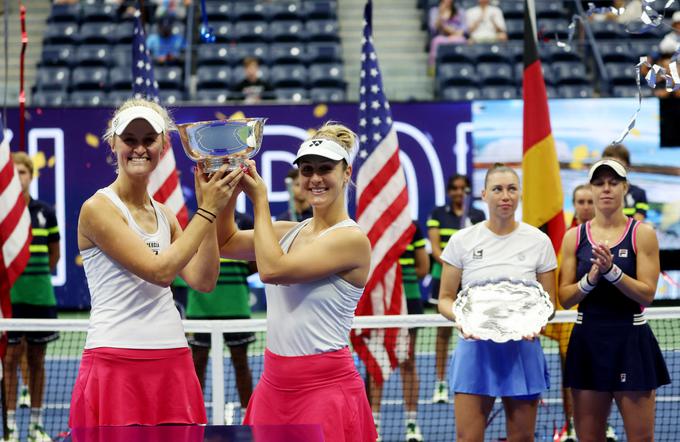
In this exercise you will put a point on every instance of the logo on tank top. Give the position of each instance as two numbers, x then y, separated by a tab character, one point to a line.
623	377
623	253
477	253
154	246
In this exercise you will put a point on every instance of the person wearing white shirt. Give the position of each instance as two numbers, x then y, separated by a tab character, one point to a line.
486	23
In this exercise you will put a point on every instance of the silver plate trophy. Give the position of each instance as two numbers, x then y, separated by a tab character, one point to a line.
214	143
503	309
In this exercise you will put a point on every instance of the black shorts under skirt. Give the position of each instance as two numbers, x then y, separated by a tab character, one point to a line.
614	357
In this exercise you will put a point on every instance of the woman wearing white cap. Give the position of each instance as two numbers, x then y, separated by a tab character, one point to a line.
314	273
610	268
137	368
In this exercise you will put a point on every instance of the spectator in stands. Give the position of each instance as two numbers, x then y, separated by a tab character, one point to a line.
178	8
626	11
447	25
229	300
582	198
253	87
671	41
32	296
635	202
126	8
303	209
485	23
165	46
442	224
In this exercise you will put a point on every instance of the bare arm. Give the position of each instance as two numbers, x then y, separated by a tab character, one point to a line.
569	293
54	254
422	262
548	281
448	289
435	243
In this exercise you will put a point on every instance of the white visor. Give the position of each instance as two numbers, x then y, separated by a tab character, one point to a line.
124	118
323	148
614	165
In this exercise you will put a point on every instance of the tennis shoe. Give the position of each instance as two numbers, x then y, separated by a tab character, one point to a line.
24	398
413	433
229	413
441	393
12	433
36	433
611	434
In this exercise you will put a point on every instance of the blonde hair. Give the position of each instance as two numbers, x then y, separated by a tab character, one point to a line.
341	134
23	159
163	112
499	168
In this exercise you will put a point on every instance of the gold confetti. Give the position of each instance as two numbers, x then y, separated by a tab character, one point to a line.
220	116
79	260
320	110
38	163
237	115
51	161
92	140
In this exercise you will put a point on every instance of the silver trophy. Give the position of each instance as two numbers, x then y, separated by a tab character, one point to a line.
503	309
214	143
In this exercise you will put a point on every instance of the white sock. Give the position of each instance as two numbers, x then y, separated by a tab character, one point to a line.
11	418
411	416
36	416
376	418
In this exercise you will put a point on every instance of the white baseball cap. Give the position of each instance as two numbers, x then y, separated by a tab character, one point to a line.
675	17
125	117
323	148
614	165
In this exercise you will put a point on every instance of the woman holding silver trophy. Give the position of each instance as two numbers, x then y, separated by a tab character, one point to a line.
314	273
507	270
610	268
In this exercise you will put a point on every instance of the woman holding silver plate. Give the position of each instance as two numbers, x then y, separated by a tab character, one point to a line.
610	268
481	370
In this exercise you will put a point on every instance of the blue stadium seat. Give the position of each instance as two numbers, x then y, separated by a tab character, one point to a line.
631	91
615	51
61	33
461	93
251	31
639	48
249	11
121	55
118	97
257	50
286	11
123	33
492	53
288	76
495	74
603	30
287	53
322	30
286	31
320	10
327	94
216	12
238	74
552	52
569	73
89	98
208	96
550	9
53	78
323	52
515	29
621	74
120	78
49	98
64	13
545	67
178	28
224	32
455	74
511	8
550	28
291	94
169	77
213	77
454	53
326	75
576	91
57	55
552	92
92	55
104	13
96	33
214	54
171	96
499	93
85	78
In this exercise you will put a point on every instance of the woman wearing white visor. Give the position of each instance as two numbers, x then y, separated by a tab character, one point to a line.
137	368
314	273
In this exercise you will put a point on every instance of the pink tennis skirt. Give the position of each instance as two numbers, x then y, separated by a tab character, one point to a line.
120	386
323	389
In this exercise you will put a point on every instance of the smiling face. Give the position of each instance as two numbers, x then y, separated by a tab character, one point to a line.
323	180
501	194
456	192
583	204
608	190
138	148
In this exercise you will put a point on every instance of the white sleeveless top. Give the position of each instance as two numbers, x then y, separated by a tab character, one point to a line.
127	311
313	317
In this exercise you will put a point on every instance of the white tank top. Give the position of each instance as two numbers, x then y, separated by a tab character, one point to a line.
313	317
127	311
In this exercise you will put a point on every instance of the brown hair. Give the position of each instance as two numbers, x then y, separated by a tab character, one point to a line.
23	159
499	168
577	188
618	152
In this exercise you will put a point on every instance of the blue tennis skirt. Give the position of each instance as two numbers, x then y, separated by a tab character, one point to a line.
510	369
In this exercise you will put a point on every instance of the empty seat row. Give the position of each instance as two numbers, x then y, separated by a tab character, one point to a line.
462	93
503	52
63	78
281	31
628	51
281	76
95	33
275	53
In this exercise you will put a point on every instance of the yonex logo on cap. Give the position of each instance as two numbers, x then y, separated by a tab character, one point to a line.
315	143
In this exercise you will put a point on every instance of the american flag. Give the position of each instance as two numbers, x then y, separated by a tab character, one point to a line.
382	211
164	183
15	226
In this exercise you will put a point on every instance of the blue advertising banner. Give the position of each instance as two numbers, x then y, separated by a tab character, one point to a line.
72	161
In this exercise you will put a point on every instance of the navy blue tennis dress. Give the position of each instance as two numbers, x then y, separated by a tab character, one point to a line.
612	348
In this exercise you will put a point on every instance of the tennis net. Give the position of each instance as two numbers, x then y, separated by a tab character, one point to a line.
435	418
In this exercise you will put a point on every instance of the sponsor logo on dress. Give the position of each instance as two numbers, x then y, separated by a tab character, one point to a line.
154	246
623	377
623	253
477	253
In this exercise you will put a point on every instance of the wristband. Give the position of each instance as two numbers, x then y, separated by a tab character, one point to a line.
204	217
201	209
614	274
584	285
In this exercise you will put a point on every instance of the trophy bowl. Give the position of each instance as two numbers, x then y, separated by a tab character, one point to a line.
502	309
214	143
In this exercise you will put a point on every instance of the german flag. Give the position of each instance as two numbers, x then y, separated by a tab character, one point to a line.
542	196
